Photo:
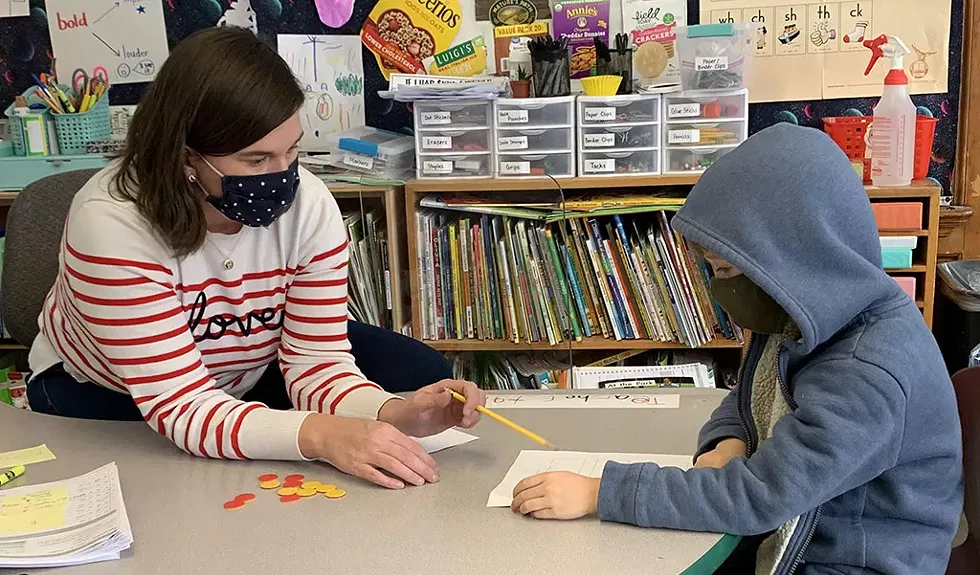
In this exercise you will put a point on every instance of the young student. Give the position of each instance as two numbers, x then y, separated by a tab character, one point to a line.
205	269
842	443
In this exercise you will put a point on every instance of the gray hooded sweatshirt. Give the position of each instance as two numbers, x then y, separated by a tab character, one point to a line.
866	468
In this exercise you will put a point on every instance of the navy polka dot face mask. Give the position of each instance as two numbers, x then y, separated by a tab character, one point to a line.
259	200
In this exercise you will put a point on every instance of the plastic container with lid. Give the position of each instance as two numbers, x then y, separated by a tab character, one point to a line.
372	151
715	56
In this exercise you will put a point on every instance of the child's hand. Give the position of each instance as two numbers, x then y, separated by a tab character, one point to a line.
725	451
556	495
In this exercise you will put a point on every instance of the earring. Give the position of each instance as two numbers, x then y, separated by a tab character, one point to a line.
192	179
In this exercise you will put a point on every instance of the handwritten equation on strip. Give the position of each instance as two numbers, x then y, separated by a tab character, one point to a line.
582	400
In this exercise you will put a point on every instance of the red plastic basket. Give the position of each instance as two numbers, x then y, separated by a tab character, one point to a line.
850	133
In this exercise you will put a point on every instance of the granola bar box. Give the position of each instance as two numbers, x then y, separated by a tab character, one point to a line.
403	33
580	21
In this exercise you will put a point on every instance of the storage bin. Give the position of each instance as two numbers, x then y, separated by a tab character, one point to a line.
691	108
468	140
439	115
625	163
957	317
77	131
619	137
535	165
15	126
723	135
896	258
898	215
903	242
461	166
715	56
16	172
377	153
534	112
679	160
534	140
627	109
907	283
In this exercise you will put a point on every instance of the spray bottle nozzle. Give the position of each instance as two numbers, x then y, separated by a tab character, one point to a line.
889	46
876	51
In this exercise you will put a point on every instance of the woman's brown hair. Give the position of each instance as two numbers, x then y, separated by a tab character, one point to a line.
220	91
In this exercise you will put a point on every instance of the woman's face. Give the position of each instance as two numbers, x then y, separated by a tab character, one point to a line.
273	153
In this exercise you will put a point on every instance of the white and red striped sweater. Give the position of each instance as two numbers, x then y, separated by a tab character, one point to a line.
187	337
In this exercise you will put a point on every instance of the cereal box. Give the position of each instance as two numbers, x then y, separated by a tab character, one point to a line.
404	33
580	21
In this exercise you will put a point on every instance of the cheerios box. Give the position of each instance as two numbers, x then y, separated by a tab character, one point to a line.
581	21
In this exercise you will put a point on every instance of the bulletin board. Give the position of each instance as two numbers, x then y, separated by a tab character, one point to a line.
25	48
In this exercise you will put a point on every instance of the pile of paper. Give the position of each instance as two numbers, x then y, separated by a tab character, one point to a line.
71	522
415	87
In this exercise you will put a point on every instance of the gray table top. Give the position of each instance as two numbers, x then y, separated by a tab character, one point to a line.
174	502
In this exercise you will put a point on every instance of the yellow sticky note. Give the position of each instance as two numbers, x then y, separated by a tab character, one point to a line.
33	512
26	456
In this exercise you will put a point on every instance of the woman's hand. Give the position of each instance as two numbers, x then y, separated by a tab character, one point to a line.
432	409
556	495
724	451
363	447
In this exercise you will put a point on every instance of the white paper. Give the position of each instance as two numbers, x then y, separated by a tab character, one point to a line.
600	166
582	401
642	376
331	72
69	522
449	438
530	463
241	15
9	8
127	37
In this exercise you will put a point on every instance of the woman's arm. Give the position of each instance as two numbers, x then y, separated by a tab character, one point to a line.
116	318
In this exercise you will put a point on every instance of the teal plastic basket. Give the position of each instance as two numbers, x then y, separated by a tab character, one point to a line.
77	131
15	128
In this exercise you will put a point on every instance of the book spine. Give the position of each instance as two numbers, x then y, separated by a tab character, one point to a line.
567	297
583	263
604	282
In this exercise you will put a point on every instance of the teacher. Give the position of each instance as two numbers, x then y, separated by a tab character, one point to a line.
203	288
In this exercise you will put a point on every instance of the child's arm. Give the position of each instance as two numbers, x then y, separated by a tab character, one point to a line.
724	423
846	431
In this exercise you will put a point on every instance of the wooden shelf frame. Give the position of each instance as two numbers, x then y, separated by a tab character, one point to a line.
925	272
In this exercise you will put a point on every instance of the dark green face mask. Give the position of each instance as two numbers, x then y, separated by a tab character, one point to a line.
748	305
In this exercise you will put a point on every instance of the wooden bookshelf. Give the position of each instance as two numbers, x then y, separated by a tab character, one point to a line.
923	268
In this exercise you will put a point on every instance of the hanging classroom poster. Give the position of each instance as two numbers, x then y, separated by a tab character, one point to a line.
126	37
404	33
808	50
331	72
10	8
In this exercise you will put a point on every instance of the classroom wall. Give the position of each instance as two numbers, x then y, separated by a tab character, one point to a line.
25	48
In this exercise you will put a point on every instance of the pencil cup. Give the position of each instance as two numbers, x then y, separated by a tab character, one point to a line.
77	131
15	127
552	75
621	64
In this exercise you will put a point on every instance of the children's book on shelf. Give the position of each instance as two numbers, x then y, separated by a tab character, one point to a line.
485	276
369	279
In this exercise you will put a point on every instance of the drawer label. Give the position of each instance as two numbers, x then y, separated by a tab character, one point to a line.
512	143
437	167
358	161
600	166
688	110
515	168
436	118
512	116
599	140
437	142
605	114
711	64
684	136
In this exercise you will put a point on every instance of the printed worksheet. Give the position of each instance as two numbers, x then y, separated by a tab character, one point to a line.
69	522
530	463
582	401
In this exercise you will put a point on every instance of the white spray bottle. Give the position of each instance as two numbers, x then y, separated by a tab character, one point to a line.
892	138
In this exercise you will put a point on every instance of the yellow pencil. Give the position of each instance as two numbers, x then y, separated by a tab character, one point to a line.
530	435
